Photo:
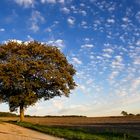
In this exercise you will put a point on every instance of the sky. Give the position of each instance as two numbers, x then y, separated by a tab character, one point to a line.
101	38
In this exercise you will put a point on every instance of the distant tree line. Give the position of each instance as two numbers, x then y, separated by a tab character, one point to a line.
124	113
51	116
66	116
7	114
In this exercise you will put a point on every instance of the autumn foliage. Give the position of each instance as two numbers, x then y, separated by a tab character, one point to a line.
32	71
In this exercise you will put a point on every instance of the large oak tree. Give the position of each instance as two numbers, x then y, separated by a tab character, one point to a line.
32	71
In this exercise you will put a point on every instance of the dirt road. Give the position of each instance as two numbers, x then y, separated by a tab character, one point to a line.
13	132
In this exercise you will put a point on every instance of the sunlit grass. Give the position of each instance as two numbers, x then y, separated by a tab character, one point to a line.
76	133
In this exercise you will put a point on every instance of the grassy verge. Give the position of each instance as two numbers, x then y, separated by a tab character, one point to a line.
75	134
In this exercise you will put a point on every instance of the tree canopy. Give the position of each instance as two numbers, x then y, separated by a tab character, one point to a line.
124	113
32	71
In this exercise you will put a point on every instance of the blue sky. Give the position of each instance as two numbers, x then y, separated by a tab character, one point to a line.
101	38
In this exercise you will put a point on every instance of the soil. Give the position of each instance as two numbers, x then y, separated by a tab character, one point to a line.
13	132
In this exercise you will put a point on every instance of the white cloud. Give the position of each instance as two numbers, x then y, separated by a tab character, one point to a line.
74	109
25	3
61	1
110	20
119	58
86	39
108	50
118	63
48	29
58	43
43	1
138	43
113	75
34	27
53	1
125	19
135	84
87	46
84	13
89	81
65	10
137	60
138	16
111	9
92	57
48	1
76	61
71	20
83	23
36	19
107	55
82	87
2	29
57	103
30	38
82	4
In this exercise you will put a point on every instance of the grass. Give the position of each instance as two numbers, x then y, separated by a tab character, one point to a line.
71	133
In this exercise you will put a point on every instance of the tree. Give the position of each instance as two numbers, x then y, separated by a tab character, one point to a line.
130	114
32	71
137	114
124	113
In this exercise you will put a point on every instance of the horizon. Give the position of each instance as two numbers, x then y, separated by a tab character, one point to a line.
70	115
100	38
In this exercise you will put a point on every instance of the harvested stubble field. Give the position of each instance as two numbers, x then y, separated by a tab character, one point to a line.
78	121
130	125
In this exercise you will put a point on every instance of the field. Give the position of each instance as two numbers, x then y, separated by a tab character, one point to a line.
116	126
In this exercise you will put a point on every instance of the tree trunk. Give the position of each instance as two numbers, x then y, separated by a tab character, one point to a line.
21	113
